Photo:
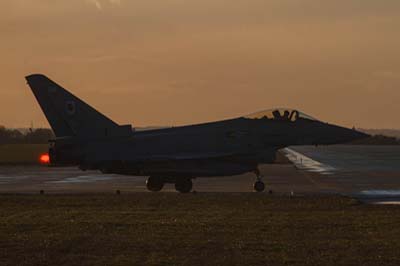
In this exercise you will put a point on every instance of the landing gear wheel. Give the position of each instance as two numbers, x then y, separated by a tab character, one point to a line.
154	184
259	186
184	185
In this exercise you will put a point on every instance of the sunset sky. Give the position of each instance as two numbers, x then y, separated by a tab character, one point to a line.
174	62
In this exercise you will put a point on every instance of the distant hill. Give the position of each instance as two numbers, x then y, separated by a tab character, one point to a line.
385	132
377	140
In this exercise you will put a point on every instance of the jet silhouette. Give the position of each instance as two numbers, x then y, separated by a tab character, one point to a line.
90	140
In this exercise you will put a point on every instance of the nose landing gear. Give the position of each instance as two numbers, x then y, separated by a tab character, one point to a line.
154	183
259	185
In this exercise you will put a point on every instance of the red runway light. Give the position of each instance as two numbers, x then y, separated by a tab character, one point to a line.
44	158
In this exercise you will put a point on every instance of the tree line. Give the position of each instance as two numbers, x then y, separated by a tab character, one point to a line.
32	136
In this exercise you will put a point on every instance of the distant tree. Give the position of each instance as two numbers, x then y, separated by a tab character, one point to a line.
39	136
3	135
13	136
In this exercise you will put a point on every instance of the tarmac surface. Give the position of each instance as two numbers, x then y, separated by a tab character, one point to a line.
282	178
31	179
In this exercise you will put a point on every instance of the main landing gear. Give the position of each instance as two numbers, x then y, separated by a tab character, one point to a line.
185	185
182	185
154	183
259	185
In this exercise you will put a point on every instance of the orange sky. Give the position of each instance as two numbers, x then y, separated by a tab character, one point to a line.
175	62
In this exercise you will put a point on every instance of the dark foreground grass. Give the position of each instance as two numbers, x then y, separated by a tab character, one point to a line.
196	229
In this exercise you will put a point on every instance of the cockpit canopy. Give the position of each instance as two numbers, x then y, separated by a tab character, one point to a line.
280	114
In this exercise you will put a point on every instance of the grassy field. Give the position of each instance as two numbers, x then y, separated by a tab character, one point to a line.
196	229
21	153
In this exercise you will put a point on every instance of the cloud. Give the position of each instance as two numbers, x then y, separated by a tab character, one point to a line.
99	4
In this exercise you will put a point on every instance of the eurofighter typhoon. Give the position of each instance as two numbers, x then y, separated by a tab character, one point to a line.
88	139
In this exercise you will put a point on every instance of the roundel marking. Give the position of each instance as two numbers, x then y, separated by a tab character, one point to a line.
70	107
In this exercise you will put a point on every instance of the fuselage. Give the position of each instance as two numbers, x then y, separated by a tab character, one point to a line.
211	149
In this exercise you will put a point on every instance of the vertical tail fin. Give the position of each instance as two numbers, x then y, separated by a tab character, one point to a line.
67	114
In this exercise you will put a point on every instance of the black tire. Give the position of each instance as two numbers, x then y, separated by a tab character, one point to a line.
154	184
184	185
259	186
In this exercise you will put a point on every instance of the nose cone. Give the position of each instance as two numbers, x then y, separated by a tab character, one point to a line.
338	135
357	135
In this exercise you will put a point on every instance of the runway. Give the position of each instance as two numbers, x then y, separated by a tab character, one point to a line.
31	179
279	178
295	173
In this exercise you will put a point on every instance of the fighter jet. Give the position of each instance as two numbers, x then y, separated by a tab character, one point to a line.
89	140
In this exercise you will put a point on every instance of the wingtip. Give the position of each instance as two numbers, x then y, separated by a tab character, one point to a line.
34	76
